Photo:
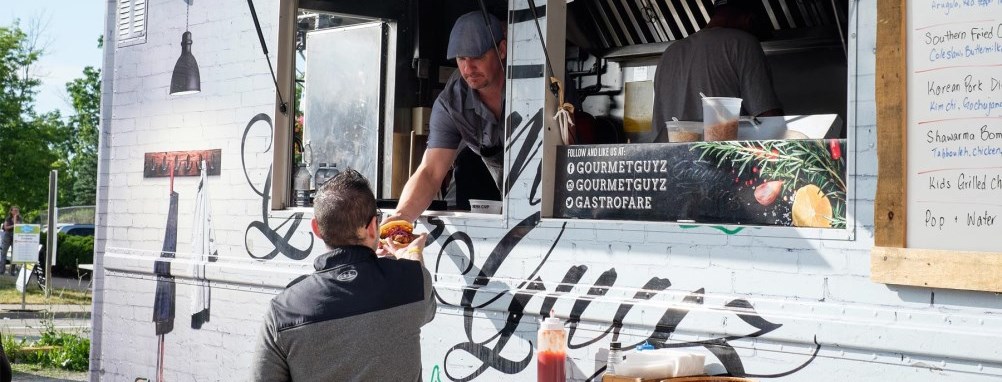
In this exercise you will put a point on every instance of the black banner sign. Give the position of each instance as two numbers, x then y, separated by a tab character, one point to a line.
789	182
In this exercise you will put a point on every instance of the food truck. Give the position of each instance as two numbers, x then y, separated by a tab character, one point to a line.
828	244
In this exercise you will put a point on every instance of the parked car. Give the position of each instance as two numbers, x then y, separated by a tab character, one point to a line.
68	229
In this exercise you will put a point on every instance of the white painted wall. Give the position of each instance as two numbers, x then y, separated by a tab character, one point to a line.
813	285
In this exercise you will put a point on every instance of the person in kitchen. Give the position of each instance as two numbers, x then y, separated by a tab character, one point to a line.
359	316
724	59
467	114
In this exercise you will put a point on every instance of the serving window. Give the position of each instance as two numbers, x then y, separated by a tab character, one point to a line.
791	170
365	76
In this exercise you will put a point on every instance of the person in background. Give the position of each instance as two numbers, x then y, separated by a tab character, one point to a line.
467	113
724	59
359	316
7	239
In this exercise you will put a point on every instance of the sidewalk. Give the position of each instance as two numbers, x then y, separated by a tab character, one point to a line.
58	311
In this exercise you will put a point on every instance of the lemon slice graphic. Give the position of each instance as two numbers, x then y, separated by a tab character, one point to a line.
811	208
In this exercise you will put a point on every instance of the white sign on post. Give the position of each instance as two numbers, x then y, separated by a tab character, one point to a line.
954	128
26	240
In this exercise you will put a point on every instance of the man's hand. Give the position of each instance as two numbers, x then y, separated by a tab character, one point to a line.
413	251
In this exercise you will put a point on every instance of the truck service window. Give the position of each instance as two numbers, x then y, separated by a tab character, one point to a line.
627	162
366	80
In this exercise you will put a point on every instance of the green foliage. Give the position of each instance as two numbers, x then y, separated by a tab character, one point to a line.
71	352
796	162
82	154
71	251
32	143
28	141
11	346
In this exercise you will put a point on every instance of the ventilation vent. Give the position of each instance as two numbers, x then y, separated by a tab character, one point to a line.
611	24
131	22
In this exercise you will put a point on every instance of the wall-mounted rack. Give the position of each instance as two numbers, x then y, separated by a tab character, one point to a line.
184	163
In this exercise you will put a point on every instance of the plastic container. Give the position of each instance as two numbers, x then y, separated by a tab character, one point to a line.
551	354
301	185
720	118
684	131
320	176
325	172
615	357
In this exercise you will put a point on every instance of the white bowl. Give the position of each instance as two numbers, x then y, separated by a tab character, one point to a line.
485	206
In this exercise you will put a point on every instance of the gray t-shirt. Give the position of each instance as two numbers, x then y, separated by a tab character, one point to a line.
720	62
459	118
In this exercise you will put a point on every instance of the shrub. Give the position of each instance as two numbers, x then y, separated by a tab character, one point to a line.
72	251
72	351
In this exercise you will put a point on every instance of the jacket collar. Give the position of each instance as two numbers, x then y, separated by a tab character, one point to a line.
344	255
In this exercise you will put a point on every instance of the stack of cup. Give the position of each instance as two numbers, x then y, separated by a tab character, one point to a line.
720	118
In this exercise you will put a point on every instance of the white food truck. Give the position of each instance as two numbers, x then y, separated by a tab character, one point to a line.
215	129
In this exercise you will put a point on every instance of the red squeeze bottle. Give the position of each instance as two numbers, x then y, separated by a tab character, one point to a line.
551	354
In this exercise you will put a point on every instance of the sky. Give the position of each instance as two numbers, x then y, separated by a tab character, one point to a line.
68	31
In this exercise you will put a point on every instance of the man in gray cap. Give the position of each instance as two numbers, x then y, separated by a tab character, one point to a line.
467	113
724	59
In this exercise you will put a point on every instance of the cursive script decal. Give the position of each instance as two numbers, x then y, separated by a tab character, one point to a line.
489	351
529	149
279	240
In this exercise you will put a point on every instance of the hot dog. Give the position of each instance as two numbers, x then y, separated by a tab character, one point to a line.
397	232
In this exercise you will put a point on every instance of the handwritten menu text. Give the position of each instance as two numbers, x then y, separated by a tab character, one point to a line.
955	124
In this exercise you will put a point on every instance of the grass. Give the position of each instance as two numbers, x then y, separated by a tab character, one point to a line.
35	296
22	371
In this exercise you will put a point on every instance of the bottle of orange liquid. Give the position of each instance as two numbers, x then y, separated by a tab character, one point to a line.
551	355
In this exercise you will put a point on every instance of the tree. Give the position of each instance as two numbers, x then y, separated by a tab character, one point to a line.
82	164
27	149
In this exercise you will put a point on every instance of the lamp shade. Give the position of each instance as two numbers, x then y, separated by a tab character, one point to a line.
185	79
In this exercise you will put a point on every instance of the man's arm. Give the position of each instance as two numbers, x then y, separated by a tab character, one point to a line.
422	186
415	252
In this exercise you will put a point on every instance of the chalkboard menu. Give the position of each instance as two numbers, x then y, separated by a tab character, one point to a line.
954	125
782	182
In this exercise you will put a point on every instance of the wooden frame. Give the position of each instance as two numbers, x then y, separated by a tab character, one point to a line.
891	262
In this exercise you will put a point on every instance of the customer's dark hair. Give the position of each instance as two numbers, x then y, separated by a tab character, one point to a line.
342	206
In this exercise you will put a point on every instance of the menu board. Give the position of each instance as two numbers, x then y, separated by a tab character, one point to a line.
954	125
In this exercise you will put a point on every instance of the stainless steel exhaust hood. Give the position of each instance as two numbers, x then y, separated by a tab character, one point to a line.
636	28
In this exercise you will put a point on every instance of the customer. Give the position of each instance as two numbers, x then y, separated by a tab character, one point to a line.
7	239
724	59
359	316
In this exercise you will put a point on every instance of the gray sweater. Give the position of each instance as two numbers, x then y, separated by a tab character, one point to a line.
357	318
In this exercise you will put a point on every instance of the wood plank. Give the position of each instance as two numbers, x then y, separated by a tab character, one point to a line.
937	268
889	210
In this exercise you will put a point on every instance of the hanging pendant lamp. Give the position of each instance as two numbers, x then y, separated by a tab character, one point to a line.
185	79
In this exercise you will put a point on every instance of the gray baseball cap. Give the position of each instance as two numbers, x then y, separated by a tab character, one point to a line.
471	37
